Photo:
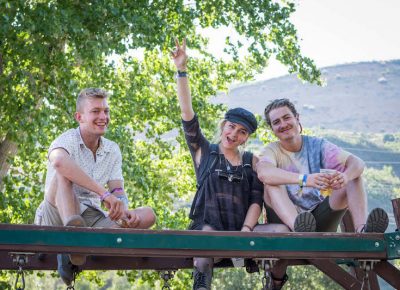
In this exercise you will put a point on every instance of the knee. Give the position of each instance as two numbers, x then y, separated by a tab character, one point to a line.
151	216
148	215
62	181
203	264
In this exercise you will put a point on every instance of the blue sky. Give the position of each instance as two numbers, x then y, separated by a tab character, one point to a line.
338	31
343	31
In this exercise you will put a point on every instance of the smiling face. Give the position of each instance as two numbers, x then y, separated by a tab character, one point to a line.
233	135
93	116
284	123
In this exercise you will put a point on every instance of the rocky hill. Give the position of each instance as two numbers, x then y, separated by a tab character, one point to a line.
357	97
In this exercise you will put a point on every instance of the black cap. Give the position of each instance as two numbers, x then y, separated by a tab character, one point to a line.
243	117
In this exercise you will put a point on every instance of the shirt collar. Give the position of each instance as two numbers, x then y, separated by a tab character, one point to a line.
104	146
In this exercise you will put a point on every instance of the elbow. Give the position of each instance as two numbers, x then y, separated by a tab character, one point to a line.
360	164
57	161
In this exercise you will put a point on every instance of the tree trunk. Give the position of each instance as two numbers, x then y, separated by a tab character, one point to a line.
8	149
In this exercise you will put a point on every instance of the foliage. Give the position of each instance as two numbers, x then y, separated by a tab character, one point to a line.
49	50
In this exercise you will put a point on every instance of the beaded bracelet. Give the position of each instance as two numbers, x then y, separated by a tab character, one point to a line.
104	196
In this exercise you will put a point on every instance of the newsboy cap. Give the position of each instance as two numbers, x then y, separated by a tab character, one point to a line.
243	117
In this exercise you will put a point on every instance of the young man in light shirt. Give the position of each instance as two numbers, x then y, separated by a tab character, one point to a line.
84	171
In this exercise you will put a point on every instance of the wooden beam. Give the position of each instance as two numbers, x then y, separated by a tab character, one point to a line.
188	244
396	211
389	273
337	274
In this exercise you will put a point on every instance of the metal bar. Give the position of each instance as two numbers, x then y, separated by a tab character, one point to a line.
49	262
336	273
389	273
149	243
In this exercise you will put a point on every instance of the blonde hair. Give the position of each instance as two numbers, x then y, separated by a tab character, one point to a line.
89	93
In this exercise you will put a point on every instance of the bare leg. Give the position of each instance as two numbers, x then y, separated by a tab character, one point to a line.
203	268
272	228
202	264
66	200
278	199
279	269
353	197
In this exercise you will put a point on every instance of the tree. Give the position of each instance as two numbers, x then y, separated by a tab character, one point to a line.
49	50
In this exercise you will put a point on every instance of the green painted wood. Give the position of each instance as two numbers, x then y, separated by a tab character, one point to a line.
174	240
393	245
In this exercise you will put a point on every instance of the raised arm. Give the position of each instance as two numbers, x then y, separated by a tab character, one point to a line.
185	99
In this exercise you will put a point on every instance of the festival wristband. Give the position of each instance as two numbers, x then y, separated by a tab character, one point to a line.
304	180
181	74
301	176
117	189
104	196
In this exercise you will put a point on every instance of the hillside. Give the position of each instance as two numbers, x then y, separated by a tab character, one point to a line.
358	97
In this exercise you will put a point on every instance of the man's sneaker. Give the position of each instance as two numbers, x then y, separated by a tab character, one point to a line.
76	221
305	222
65	269
377	221
202	280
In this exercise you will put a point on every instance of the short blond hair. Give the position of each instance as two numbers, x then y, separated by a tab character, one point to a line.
89	93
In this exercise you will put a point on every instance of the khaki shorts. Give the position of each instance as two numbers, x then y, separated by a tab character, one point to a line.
47	215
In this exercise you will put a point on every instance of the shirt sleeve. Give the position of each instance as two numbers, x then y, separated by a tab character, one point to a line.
269	155
333	157
194	137
66	141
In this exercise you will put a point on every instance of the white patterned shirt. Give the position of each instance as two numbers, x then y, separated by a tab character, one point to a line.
106	167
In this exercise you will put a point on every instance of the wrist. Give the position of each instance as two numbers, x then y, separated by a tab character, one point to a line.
181	74
303	180
300	180
117	190
104	195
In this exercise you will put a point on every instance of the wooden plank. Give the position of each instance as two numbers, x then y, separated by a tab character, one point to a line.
336	273
150	243
396	211
389	273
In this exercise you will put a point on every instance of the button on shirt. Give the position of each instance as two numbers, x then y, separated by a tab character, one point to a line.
106	167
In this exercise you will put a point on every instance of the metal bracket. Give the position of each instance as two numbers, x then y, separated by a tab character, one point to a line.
393	245
166	276
20	258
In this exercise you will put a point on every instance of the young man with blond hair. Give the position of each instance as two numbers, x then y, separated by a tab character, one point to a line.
84	171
